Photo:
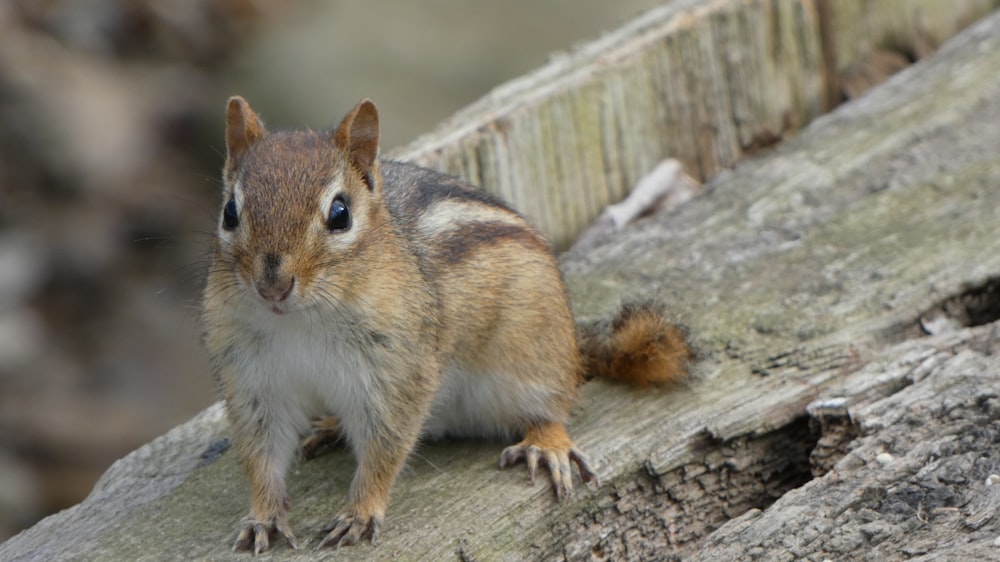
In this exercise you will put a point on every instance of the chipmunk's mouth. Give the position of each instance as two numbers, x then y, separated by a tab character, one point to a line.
278	311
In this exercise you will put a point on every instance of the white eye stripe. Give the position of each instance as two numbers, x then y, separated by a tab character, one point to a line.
345	238
330	192
238	197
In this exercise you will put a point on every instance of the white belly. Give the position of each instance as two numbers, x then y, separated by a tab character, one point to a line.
491	405
302	372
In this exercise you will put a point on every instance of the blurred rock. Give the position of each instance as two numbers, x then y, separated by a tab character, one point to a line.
197	31
22	338
22	265
20	495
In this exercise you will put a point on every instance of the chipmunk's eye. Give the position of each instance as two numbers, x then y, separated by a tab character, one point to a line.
230	219
340	216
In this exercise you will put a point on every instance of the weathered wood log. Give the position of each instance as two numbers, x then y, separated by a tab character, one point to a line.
702	81
804	275
923	481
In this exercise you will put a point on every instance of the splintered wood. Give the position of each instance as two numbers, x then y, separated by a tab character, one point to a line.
705	82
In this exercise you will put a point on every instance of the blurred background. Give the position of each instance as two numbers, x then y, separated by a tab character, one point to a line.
111	137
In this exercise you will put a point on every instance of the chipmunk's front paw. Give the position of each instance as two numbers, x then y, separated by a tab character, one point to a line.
549	444
350	527
256	535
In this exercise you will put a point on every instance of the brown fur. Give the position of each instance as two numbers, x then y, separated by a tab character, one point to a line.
439	310
639	347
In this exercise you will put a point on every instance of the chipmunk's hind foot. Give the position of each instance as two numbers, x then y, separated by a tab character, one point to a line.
550	445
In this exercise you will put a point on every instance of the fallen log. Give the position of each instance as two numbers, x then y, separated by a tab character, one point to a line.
706	82
921	482
809	277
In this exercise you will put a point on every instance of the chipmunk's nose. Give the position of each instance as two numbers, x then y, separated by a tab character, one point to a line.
276	292
273	285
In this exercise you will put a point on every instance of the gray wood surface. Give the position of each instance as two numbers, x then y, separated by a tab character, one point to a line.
805	275
703	81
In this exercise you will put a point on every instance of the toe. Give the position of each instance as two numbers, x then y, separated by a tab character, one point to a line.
330	538
532	458
286	532
566	473
244	540
261	540
347	530
511	455
582	462
549	444
558	473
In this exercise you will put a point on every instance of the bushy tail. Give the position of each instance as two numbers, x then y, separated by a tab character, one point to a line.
639	346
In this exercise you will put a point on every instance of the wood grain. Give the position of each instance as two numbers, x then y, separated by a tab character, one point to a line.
805	275
702	81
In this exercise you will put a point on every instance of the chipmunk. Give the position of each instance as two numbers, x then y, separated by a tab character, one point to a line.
404	303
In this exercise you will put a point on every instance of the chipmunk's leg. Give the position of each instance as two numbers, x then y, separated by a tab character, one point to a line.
380	460
549	443
325	431
266	446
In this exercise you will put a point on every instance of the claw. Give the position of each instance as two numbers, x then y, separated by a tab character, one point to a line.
549	444
261	541
334	533
532	459
567	479
286	531
349	529
587	473
551	460
511	455
255	535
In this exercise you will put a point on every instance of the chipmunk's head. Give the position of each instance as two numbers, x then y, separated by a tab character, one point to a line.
296	205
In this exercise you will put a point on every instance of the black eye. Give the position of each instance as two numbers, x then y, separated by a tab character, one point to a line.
340	216
230	219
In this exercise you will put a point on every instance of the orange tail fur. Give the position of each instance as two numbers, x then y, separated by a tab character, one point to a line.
639	346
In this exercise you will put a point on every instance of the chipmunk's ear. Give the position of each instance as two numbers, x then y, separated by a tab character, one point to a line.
357	135
243	129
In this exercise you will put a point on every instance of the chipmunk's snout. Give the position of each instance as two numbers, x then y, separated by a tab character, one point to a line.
277	291
273	284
